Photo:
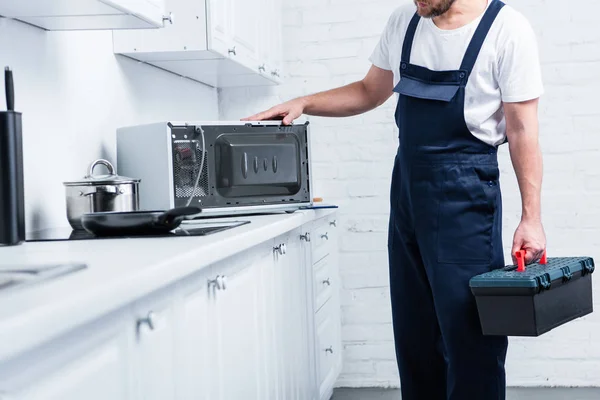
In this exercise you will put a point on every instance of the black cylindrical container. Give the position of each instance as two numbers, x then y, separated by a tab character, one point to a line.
12	202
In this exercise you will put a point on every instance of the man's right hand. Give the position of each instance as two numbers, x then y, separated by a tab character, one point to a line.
287	111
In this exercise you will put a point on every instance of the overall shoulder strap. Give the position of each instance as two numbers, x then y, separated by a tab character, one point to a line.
480	34
408	39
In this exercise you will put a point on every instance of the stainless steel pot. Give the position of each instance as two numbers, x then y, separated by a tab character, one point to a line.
100	193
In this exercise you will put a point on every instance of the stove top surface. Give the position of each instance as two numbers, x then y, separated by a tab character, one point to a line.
187	228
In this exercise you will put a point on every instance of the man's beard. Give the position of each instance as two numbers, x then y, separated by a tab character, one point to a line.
438	10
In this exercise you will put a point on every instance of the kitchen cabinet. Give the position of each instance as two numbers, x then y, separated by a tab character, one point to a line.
238	332
256	325
90	363
194	349
87	14
290	295
222	43
155	331
323	241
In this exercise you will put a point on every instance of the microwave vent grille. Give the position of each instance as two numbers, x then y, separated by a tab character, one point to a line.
187	156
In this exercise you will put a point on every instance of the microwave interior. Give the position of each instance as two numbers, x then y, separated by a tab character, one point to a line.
244	165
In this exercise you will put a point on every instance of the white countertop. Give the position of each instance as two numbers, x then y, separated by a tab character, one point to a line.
118	272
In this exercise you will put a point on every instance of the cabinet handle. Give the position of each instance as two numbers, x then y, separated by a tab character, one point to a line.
306	237
333	223
220	282
329	350
275	73
325	236
262	68
170	18
327	282
232	51
150	320
281	249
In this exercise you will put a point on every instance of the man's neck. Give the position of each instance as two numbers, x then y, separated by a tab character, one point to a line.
460	14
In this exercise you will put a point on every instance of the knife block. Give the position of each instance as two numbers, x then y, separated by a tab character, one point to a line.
12	198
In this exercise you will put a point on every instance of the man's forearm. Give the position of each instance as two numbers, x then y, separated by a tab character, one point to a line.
526	158
345	101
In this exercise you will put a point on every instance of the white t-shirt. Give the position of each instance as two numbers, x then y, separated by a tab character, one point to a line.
507	68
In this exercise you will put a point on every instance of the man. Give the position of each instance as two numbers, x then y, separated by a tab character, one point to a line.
468	79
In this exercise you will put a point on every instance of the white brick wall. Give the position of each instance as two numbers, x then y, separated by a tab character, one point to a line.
327	43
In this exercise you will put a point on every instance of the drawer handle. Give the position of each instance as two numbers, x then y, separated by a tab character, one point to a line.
327	282
232	51
170	18
150	320
325	236
306	237
281	249
329	350
333	223
220	282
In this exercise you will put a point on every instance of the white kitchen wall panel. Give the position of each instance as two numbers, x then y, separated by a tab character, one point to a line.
222	43
87	14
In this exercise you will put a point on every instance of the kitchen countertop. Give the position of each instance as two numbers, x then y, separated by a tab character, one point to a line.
118	272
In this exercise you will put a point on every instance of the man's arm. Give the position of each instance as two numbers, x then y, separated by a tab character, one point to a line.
353	99
523	132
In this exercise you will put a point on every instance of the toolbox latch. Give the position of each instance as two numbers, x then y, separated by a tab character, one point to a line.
544	281
567	274
587	267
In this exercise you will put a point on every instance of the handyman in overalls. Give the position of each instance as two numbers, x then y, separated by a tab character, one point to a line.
468	79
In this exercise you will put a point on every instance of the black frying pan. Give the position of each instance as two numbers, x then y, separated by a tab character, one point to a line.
136	222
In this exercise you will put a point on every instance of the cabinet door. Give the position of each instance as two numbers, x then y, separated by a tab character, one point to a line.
292	319
268	322
274	40
270	42
183	38
327	348
220	37
193	360
90	363
238	332
155	339
246	17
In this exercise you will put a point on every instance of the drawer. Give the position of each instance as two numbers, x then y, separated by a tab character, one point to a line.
326	347
323	282
323	239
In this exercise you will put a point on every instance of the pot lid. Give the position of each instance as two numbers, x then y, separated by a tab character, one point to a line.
111	179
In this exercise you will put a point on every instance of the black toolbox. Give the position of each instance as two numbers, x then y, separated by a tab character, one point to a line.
532	300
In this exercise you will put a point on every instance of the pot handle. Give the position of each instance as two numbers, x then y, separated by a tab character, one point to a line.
106	163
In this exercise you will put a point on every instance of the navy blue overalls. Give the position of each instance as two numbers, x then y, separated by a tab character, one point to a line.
445	228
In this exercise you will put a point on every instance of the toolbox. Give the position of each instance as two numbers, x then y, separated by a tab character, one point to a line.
531	300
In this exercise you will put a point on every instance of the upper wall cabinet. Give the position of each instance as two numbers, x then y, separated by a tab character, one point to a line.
222	43
87	14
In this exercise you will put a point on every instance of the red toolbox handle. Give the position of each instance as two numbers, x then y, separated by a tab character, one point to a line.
520	256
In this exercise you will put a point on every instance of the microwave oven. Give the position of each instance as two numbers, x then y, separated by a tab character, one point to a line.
222	167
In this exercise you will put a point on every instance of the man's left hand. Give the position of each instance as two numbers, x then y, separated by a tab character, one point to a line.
529	236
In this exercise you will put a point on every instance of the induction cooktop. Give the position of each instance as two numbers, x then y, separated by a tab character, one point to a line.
187	228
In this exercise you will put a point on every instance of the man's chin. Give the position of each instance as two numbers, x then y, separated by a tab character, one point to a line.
424	12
